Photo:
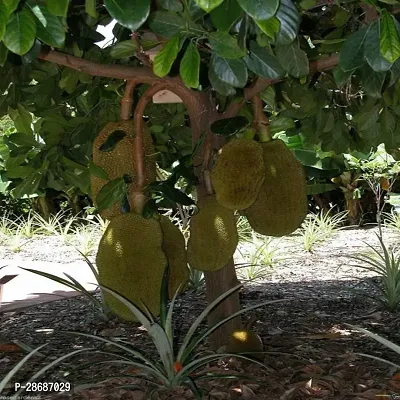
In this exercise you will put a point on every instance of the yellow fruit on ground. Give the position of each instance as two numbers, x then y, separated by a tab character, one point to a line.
131	261
213	236
120	161
174	247
282	203
238	173
245	341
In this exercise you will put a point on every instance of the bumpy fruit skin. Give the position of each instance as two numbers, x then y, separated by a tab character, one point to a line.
213	236
131	261
238	173
282	203
120	161
174	247
245	341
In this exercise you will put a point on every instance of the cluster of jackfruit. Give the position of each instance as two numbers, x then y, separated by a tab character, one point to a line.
120	160
266	181
131	259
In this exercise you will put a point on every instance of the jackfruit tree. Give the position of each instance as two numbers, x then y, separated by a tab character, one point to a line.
324	72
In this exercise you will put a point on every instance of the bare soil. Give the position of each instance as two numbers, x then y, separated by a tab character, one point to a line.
310	352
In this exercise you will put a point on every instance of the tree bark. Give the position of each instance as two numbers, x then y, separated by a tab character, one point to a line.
353	207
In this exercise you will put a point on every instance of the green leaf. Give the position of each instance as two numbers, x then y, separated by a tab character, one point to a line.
232	72
289	19
263	63
49	27
338	140
58	7
317	188
294	60
90	8
22	139
352	53
372	82
4	14
129	13
171	5
28	186
11	5
372	49
3	54
112	140
97	171
281	124
229	126
20	172
22	119
220	86
124	49
260	9
268	96
208	5
225	45
224	16
389	37
166	57
20	32
110	193
166	24
190	66
269	26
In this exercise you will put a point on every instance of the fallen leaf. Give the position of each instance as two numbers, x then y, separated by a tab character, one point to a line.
247	393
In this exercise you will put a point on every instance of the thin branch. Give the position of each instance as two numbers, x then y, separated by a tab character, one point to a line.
127	100
140	54
322	64
142	74
260	121
139	150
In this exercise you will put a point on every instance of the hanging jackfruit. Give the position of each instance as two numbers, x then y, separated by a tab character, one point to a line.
213	236
120	161
282	203
238	173
174	247
131	261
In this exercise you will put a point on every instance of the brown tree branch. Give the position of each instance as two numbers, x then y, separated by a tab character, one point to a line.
261	84
260	121
140	54
127	100
138	198
142	74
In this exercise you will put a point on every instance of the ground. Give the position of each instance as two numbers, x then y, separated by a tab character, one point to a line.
310	352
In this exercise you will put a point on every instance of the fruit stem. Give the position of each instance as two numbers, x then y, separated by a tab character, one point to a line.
137	200
127	100
249	134
260	120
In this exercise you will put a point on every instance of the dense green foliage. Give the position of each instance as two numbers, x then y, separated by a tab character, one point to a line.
335	65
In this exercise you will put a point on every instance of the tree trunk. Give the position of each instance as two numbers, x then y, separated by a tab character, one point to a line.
44	206
74	204
353	207
202	115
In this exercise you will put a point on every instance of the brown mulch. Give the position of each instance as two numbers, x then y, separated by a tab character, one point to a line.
310	352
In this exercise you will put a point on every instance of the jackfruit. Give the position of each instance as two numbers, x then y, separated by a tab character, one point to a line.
120	161
245	341
238	173
282	203
213	236
174	247
131	261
